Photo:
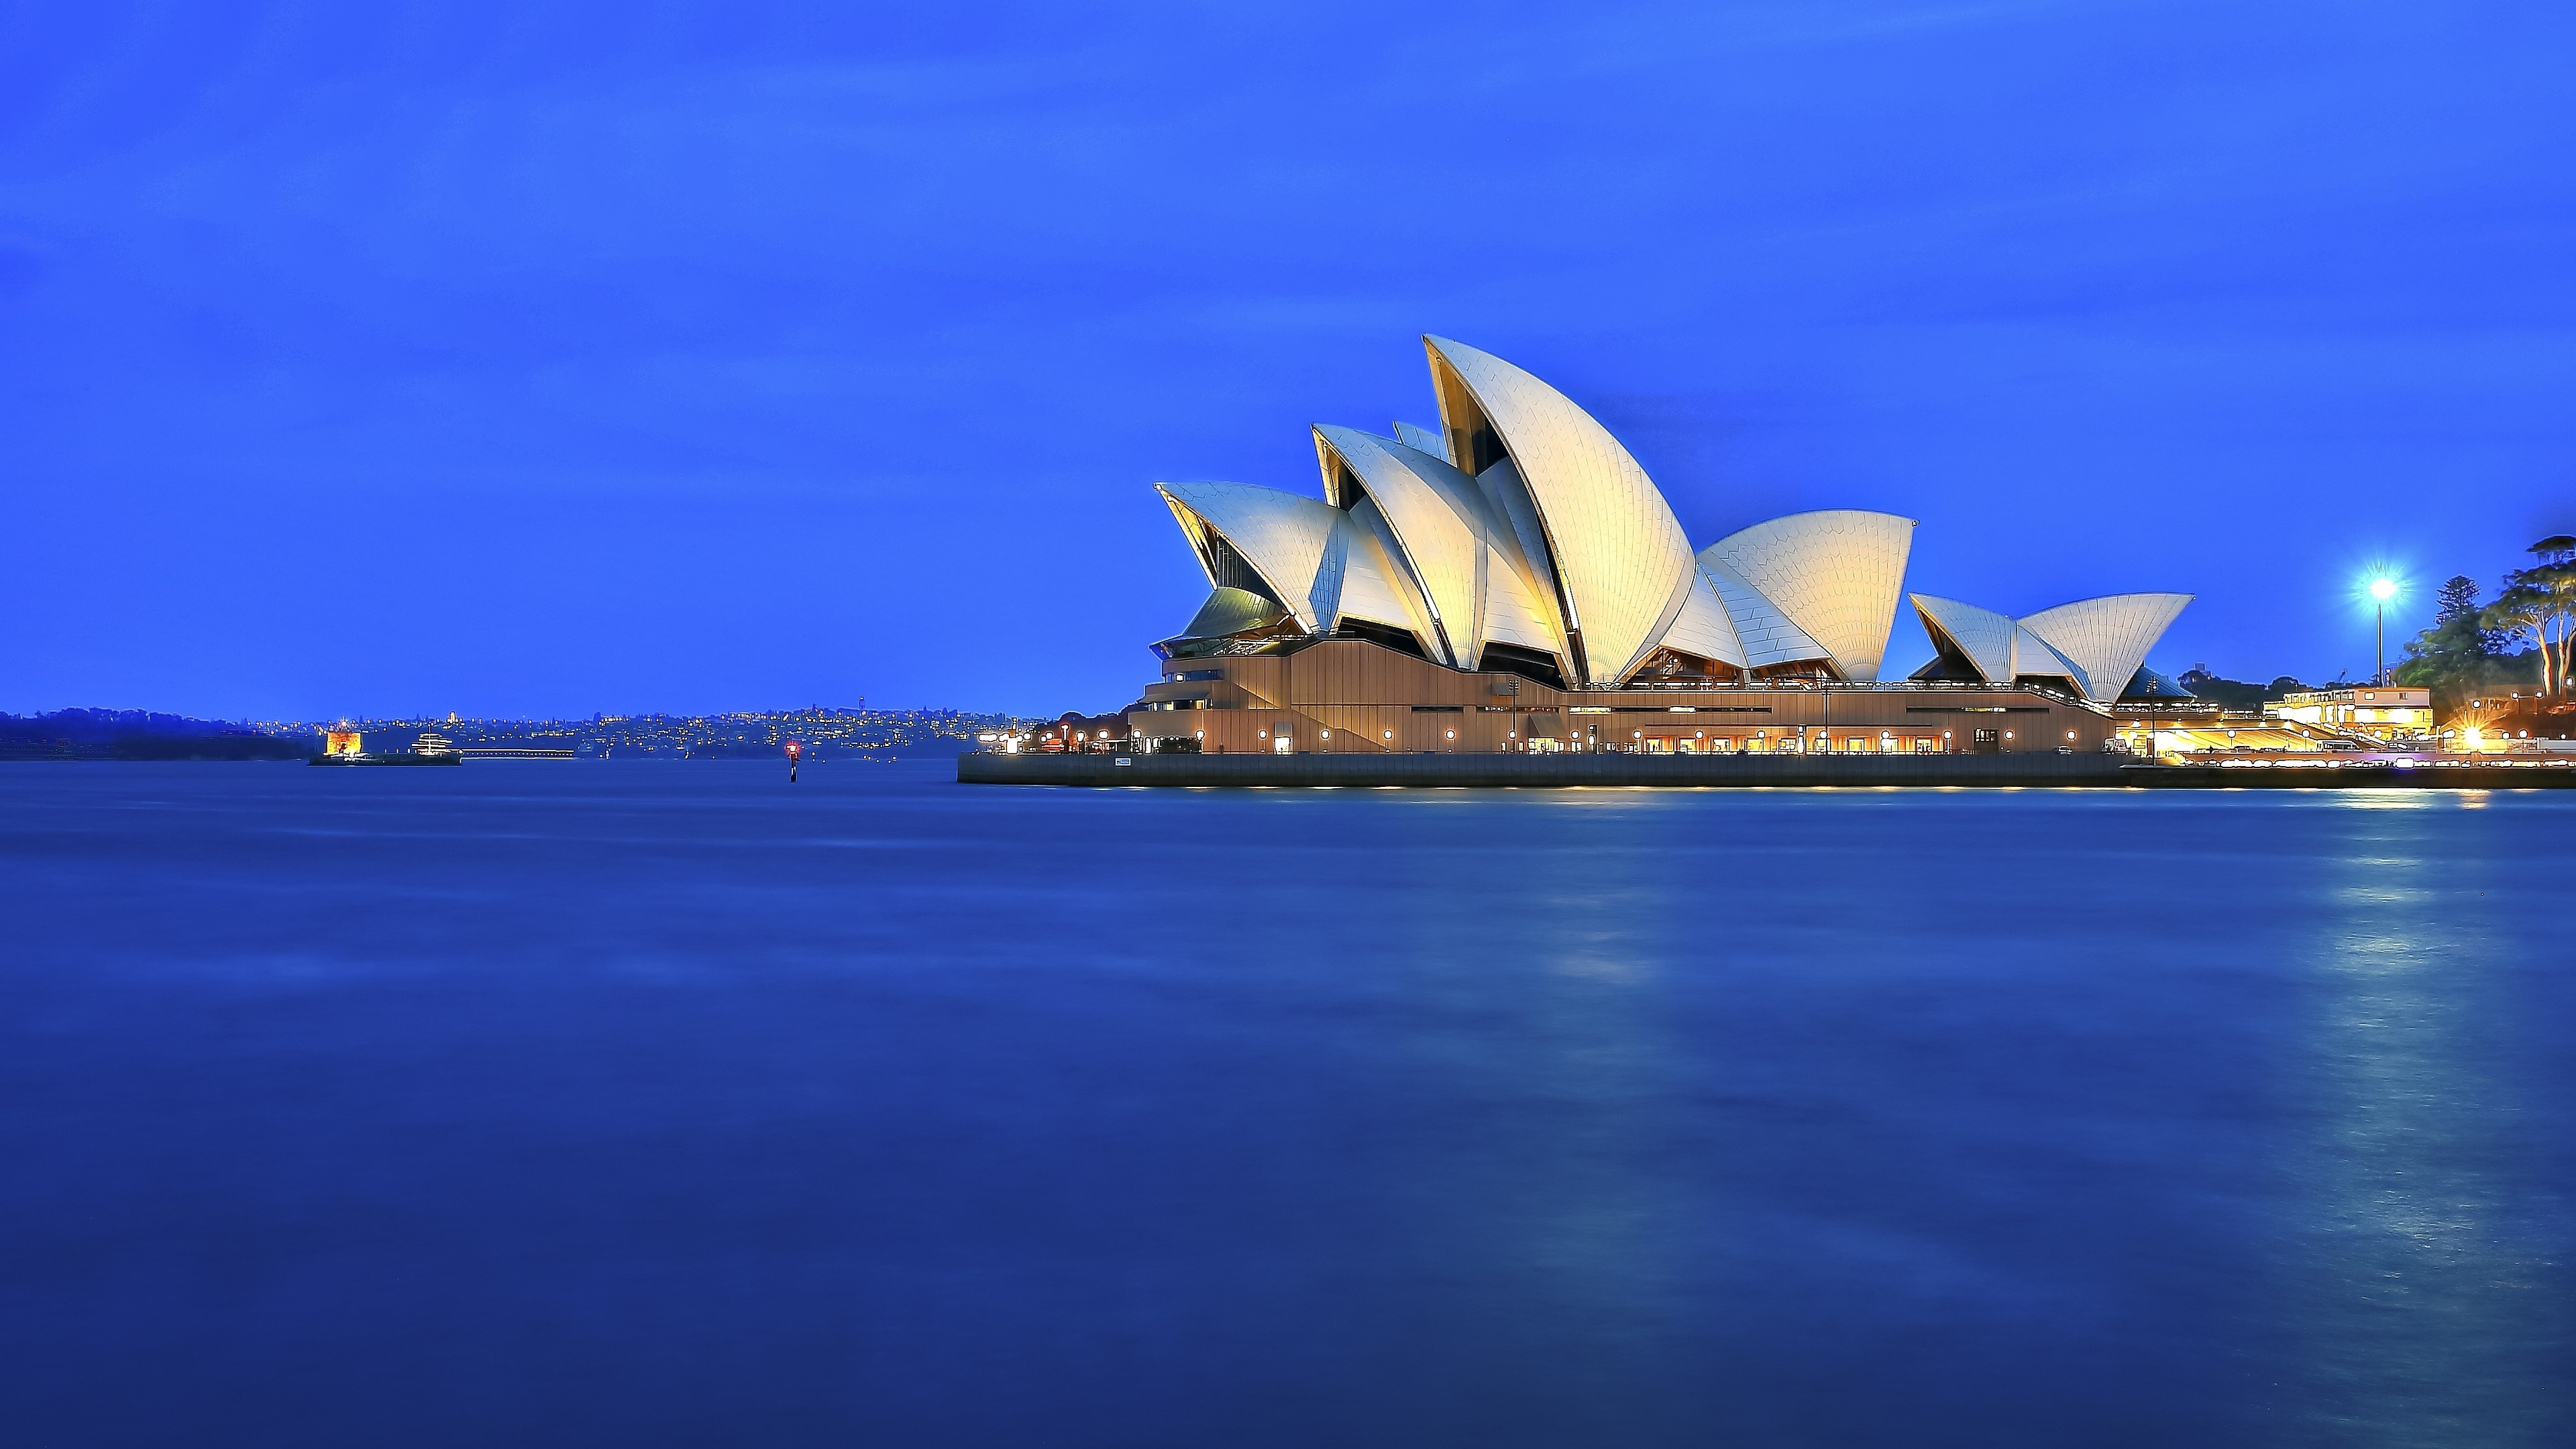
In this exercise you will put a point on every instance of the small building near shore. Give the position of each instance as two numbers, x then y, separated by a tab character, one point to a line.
2387	712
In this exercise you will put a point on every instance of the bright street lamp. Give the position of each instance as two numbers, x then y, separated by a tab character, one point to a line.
2381	591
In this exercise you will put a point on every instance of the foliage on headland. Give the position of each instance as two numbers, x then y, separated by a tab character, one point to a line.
2237	695
136	734
2516	645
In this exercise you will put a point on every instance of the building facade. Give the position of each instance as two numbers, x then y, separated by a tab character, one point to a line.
2385	712
1355	696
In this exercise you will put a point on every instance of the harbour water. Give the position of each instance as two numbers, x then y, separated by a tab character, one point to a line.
634	1103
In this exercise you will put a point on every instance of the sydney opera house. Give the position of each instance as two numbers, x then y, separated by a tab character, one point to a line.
1512	581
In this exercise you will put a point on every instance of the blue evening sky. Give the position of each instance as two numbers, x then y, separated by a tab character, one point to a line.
548	360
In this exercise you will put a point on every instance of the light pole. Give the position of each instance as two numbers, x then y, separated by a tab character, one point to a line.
2381	591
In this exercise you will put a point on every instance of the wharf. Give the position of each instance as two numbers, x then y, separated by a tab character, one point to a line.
1738	771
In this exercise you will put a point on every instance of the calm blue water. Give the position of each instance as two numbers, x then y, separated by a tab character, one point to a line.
645	1103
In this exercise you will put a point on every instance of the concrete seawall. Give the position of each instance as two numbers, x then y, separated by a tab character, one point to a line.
1539	772
2536	775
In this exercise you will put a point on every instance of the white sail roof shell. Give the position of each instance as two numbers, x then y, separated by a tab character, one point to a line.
1621	558
2108	638
1768	636
1984	636
2034	655
1425	440
1563	545
1294	542
1513	613
1439	526
1373	586
2004	649
1230	611
1704	628
1838	572
1322	562
1521	542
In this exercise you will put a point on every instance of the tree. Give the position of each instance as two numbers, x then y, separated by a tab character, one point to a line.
2458	597
2515	614
2556	571
2539	603
2451	657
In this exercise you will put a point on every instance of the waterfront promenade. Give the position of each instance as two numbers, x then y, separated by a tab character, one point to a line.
2049	771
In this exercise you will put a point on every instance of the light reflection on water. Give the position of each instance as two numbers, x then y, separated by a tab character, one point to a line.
2419	1297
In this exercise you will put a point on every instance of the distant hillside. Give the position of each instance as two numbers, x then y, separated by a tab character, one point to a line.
135	734
2236	694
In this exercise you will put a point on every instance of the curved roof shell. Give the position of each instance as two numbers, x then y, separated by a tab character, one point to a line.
2033	655
1514	611
1522	543
1982	636
1231	611
1837	572
1292	542
2108	638
1705	628
1438	524
1524	522
1422	439
1769	637
1375	584
1622	562
2096	645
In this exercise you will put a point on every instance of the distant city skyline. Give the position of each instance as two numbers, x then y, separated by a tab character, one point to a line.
827	734
548	364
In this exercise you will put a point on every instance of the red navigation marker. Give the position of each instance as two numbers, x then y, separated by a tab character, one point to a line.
794	752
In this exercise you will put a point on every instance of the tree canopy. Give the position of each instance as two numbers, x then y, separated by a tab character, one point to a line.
2539	603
